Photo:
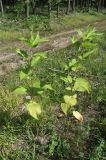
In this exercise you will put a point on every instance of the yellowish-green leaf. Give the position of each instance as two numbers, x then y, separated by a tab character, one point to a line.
20	90
40	92
78	116
72	62
47	87
69	78
68	88
73	40
34	109
79	32
82	85
70	100
22	53
65	108
23	75
35	61
77	67
87	54
42	55
35	40
37	84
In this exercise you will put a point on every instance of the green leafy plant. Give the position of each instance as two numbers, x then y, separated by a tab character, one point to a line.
32	87
85	46
58	147
99	152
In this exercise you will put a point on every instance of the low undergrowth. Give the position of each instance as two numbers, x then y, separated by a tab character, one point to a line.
56	136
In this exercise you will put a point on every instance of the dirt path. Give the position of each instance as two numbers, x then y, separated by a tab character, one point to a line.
9	61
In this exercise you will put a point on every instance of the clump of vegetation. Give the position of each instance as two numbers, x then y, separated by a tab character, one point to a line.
84	48
33	86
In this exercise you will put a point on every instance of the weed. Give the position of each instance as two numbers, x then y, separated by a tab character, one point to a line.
33	87
98	152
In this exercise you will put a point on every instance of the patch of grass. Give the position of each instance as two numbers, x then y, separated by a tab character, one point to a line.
74	20
9	35
99	151
6	99
12	28
44	24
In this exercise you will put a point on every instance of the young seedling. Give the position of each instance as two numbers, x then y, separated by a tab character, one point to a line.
32	87
85	46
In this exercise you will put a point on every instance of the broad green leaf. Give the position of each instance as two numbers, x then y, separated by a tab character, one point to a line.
35	40
70	100
82	85
74	40
23	75
89	34
35	60
34	109
69	88
65	108
73	62
69	78
80	57
78	116
42	55
77	67
64	79
67	99
39	39
40	92
20	90
37	84
87	54
22	53
79	32
66	67
87	44
47	87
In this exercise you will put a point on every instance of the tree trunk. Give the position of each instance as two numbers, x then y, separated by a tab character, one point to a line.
68	6
73	5
2	9
103	3
98	5
33	7
77	3
58	9
49	8
27	8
